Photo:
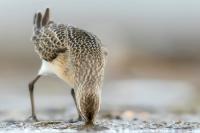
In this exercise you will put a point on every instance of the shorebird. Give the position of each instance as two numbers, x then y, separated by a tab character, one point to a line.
75	56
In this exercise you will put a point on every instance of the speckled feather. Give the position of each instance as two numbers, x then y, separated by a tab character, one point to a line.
81	53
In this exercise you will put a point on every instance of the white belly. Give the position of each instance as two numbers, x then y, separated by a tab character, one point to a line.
58	68
46	69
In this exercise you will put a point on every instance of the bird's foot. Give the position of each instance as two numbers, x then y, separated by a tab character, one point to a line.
32	119
76	120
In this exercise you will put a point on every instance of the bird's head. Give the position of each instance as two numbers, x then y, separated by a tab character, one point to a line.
88	102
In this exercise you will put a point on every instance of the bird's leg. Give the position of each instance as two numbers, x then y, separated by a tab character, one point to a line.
31	89
74	97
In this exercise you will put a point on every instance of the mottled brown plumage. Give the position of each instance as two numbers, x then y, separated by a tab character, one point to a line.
74	55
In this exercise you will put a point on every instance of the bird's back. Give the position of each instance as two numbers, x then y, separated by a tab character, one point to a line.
83	48
86	55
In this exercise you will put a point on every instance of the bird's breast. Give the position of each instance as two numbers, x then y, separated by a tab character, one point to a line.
61	66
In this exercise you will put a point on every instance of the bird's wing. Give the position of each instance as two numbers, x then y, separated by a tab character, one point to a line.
49	38
51	41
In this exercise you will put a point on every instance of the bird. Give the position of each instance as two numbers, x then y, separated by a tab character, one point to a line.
76	56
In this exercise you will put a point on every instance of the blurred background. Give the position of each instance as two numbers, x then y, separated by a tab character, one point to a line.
153	62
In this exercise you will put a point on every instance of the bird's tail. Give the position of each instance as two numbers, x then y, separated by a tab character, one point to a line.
39	20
